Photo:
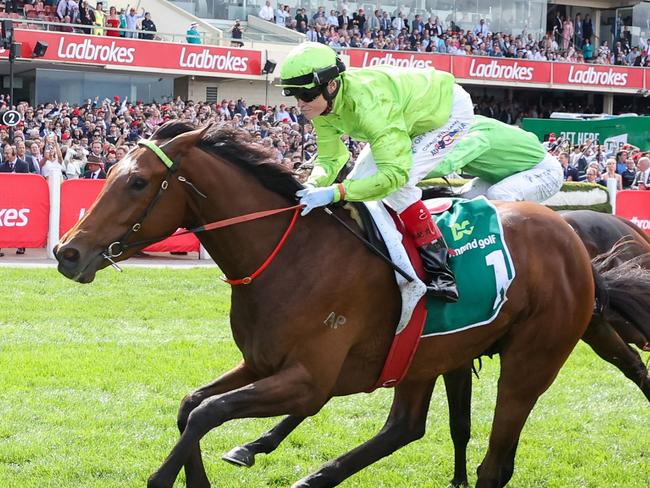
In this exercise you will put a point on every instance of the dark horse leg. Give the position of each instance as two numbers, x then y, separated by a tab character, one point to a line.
235	378
266	444
406	423
288	391
605	342
527	370
458	385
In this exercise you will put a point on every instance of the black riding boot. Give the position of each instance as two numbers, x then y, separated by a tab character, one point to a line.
441	282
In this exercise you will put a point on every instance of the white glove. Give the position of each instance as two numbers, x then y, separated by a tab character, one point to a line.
312	198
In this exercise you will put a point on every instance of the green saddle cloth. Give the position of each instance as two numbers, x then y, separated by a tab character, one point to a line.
480	259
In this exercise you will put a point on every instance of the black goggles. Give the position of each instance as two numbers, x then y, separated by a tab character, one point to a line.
305	94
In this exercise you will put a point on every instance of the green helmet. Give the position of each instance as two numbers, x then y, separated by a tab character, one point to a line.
309	65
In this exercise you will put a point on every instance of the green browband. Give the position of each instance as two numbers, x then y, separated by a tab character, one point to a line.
159	152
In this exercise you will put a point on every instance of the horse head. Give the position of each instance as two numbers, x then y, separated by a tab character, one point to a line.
142	201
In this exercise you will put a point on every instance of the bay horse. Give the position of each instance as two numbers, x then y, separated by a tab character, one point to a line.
293	361
608	334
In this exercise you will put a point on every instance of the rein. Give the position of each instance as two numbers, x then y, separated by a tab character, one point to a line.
117	248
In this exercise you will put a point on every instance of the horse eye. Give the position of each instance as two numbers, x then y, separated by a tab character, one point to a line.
139	183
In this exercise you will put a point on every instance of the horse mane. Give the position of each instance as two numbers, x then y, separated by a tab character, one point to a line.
237	146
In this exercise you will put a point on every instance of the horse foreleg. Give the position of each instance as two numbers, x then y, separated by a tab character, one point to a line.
458	384
406	423
233	379
608	344
266	444
288	391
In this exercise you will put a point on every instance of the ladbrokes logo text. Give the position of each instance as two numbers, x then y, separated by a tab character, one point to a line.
89	51
14	217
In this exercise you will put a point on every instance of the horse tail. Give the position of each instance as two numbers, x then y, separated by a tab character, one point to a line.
623	287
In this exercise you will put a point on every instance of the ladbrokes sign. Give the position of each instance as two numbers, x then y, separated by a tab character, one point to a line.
634	205
187	58
508	70
591	75
24	210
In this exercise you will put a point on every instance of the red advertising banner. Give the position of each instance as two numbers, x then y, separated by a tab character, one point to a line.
116	51
78	195
360	58
598	75
24	210
501	69
634	205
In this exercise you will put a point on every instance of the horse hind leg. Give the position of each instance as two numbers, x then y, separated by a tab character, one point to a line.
607	343
405	424
528	367
458	385
266	444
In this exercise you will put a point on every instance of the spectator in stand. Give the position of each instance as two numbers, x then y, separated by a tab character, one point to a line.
10	161
593	176
112	23
69	8
570	173
642	178
266	12
193	36
481	29
34	158
610	172
94	169
359	21
281	16
52	160
320	12
236	33
587	28
99	19
148	26
579	32
628	176
282	114
587	50
86	17
22	156
621	159
302	21
132	19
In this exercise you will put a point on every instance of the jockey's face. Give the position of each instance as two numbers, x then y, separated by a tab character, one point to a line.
314	108
317	106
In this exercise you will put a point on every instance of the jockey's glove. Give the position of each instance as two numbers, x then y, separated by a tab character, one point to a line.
312	198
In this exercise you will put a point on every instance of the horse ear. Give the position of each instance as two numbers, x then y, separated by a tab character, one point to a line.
183	142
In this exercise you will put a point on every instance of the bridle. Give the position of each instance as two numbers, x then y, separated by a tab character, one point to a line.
117	248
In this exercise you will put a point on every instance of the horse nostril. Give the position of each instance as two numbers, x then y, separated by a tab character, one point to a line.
70	255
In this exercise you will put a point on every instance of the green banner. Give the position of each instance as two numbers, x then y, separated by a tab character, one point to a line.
612	133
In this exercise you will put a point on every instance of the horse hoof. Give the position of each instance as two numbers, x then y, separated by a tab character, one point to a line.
458	484
240	456
153	482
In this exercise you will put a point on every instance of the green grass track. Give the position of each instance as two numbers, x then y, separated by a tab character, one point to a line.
91	377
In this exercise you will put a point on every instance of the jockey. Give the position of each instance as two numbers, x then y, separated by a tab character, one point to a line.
411	120
509	163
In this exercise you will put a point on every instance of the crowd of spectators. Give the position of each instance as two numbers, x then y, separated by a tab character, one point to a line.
86	140
594	163
81	17
571	40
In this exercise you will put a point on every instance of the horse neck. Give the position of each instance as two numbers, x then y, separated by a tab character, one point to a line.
231	192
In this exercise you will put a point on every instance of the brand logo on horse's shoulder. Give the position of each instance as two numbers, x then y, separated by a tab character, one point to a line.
334	321
462	229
